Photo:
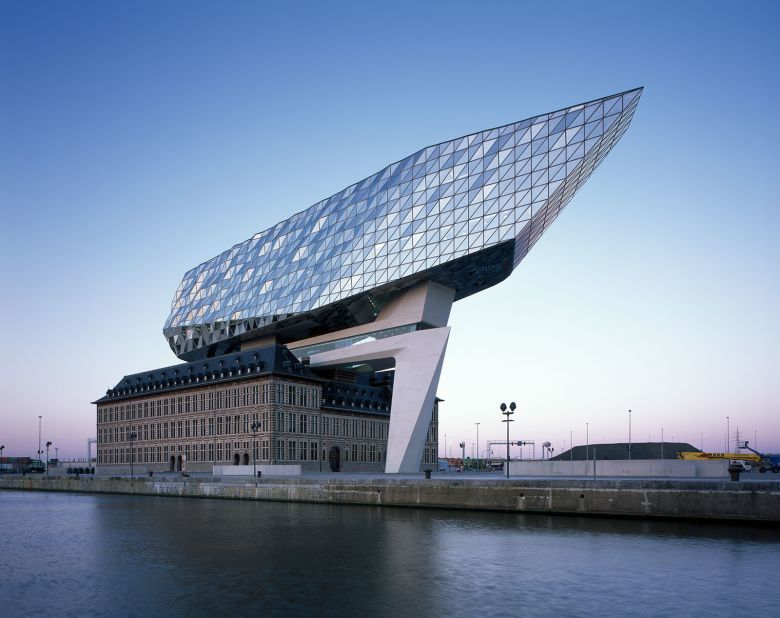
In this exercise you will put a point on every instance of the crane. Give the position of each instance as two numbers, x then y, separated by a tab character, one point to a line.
769	461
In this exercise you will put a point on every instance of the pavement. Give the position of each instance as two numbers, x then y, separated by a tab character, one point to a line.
450	476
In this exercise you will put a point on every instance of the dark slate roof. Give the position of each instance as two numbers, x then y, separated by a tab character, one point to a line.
639	450
275	359
352	397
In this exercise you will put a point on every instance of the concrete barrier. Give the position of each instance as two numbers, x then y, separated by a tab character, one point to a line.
266	469
745	501
645	468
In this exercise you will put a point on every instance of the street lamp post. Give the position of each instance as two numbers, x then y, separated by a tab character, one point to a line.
662	442
39	437
255	429
507	420
131	437
48	444
478	466
727	434
587	441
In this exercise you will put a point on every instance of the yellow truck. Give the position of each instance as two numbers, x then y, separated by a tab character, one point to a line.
698	455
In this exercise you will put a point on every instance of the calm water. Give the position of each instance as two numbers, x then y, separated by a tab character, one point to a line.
69	555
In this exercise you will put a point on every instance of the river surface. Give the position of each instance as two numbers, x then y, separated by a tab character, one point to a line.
87	555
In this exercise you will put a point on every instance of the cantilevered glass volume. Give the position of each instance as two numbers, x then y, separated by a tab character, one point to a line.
461	214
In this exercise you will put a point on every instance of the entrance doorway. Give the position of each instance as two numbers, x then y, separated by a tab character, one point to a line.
178	463
236	459
334	458
173	464
246	459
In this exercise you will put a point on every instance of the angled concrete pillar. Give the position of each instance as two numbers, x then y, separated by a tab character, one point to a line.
418	359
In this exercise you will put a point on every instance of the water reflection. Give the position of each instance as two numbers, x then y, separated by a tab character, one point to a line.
139	556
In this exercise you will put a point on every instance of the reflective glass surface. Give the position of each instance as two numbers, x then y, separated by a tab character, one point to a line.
442	203
348	342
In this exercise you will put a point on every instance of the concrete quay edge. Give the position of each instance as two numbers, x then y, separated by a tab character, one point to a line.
740	501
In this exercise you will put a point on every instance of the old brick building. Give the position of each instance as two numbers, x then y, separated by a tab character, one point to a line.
261	405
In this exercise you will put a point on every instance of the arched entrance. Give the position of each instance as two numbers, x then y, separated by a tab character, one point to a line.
246	459
334	458
178	463
173	464
236	459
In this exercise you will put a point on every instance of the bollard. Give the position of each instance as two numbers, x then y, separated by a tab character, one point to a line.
259	473
428	474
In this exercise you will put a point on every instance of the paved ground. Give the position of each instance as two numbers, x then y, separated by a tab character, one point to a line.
458	476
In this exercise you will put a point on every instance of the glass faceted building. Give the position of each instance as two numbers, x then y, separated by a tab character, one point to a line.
461	214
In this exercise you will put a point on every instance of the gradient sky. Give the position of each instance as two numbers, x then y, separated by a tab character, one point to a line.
138	139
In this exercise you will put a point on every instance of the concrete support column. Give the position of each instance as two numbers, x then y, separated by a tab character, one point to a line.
418	360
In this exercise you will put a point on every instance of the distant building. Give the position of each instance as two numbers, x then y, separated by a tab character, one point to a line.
619	450
195	415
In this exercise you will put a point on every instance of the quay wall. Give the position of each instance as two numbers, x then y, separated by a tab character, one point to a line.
671	468
748	501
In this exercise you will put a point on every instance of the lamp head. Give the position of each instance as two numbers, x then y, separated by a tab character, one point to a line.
503	407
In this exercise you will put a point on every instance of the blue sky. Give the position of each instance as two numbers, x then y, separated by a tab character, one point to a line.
139	139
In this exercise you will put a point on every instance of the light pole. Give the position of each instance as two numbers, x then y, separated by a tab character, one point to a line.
507	420
255	429
727	434
48	444
478	466
131	437
39	437
629	435
587	441
662	442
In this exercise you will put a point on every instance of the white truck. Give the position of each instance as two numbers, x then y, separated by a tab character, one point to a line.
740	463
